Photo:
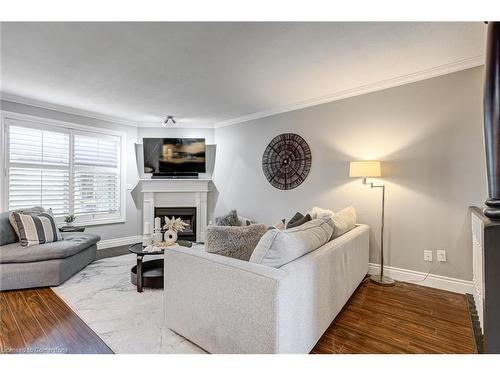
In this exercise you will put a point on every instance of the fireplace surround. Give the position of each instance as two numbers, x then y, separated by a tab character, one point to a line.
176	194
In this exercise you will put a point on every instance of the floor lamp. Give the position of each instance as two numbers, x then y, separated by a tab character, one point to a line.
367	169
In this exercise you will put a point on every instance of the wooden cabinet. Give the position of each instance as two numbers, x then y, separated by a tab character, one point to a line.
486	276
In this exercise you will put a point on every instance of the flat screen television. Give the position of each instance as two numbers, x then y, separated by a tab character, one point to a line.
174	156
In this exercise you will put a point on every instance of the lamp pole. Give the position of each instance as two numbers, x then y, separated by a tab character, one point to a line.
380	279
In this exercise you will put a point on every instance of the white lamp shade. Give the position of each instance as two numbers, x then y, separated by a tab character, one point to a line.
364	169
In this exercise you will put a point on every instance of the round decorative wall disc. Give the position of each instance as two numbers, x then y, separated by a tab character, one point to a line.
286	161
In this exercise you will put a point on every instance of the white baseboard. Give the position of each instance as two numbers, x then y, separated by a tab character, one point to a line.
433	281
105	244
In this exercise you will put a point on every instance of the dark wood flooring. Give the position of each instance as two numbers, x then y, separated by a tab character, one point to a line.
37	321
406	318
403	319
112	252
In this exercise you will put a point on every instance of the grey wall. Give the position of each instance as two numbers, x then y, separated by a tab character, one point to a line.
208	134
132	225
429	135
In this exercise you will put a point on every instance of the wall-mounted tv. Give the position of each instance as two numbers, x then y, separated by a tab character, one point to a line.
174	156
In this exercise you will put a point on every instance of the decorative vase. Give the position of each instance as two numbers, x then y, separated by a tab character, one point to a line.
170	236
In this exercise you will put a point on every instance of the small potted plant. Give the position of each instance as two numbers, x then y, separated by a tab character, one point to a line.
69	219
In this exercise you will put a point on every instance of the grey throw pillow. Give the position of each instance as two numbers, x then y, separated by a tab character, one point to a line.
231	219
279	247
297	220
234	241
294	218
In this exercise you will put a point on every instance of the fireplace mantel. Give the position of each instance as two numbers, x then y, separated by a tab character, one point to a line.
174	185
176	193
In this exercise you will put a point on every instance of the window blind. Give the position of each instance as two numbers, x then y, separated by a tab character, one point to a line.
96	151
38	169
96	174
69	171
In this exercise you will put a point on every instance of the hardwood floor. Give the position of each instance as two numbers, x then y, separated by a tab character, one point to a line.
406	318
403	319
37	321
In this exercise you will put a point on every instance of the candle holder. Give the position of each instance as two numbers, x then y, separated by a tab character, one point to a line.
146	236
157	236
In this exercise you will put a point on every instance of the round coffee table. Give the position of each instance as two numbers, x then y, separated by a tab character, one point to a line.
146	274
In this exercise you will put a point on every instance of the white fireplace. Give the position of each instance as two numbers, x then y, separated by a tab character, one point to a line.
176	193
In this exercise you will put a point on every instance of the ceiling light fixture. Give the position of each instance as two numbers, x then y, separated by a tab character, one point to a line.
169	119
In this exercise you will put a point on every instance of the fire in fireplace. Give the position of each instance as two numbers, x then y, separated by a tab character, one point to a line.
187	215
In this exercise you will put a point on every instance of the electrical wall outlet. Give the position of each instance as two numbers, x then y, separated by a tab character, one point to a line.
441	255
428	255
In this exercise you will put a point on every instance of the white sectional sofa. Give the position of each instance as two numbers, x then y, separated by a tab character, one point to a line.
227	305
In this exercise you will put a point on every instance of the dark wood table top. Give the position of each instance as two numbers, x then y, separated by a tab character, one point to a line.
138	249
71	229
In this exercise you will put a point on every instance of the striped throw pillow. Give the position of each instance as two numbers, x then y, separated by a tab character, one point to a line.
35	229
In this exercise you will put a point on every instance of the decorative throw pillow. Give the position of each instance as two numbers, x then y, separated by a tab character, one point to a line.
297	220
232	241
279	225
317	212
231	219
279	247
27	211
35	229
244	221
294	218
343	221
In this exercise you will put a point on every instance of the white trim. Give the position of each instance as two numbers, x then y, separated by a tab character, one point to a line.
456	66
122	241
433	281
3	166
69	110
96	222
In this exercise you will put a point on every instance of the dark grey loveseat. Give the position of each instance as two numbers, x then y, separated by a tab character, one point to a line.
42	265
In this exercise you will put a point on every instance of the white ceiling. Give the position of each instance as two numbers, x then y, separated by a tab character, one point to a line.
210	74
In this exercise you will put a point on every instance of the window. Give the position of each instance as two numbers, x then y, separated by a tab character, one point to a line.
64	168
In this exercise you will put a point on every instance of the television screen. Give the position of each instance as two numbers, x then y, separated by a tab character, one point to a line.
174	155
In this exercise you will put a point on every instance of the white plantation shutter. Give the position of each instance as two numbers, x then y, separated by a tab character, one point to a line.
96	150
96	174
30	187
31	145
96	192
38	168
65	169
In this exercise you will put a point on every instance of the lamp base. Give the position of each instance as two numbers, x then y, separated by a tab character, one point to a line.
382	280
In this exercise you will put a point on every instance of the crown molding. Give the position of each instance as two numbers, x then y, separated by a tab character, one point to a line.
65	109
98	116
456	66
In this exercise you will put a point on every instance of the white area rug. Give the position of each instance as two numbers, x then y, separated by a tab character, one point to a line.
128	322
